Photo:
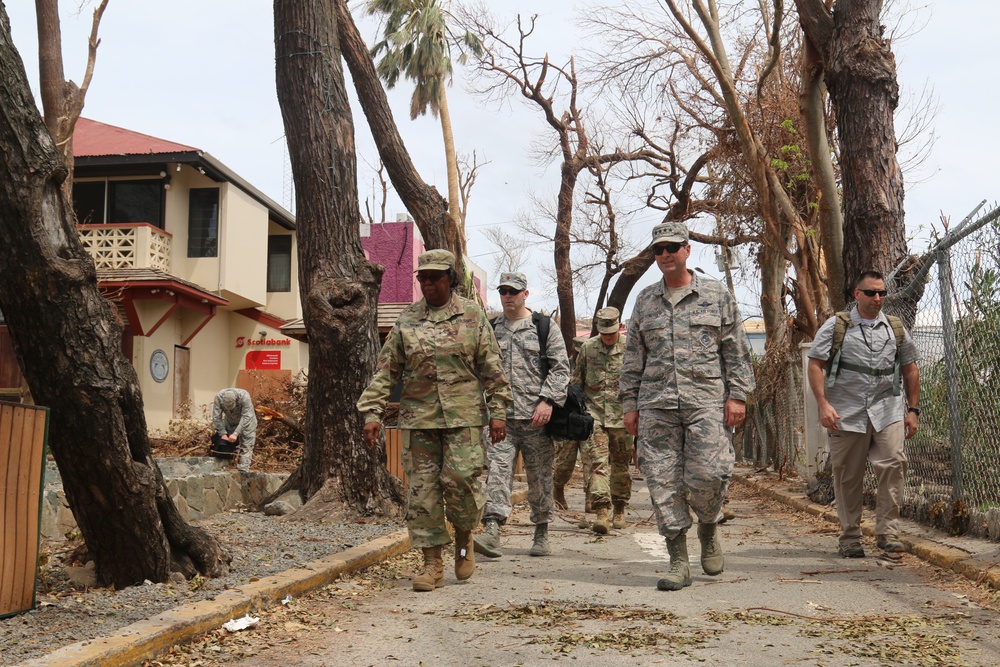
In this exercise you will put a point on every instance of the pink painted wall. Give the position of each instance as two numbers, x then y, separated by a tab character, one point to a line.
395	246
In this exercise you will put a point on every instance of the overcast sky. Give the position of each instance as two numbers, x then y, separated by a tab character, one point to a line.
202	73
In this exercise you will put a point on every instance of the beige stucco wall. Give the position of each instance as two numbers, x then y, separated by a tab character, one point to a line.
284	304
217	356
243	248
204	271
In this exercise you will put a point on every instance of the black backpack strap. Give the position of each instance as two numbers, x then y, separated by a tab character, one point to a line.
542	323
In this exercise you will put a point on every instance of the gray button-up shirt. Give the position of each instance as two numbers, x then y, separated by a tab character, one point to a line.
858	397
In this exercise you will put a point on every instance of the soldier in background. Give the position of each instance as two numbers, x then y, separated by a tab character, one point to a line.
608	452
685	379
443	349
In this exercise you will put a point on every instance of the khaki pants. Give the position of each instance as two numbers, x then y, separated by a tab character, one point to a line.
848	454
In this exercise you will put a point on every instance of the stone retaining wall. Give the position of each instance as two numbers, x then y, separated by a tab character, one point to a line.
200	486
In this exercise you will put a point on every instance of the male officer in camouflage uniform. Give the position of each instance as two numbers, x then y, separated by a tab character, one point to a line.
597	371
684	382
443	349
526	418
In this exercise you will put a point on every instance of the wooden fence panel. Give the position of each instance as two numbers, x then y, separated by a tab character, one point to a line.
394	453
23	436
394	456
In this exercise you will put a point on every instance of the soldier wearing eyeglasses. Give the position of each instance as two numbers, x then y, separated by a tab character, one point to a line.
444	351
684	382
860	364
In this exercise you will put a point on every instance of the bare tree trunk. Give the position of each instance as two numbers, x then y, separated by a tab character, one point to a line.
812	105
338	286
68	341
423	201
861	77
570	172
455	230
62	100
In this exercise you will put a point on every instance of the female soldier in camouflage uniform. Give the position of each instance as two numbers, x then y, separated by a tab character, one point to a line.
444	350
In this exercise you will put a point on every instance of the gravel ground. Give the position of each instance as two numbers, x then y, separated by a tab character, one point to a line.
260	545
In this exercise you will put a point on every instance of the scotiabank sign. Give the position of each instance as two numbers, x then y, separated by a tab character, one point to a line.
263	360
243	341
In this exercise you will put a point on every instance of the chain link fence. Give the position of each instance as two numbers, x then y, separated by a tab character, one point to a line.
951	306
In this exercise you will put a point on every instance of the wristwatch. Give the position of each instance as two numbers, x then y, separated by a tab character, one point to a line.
915	411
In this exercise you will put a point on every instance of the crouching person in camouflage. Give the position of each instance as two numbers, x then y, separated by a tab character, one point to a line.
444	350
684	381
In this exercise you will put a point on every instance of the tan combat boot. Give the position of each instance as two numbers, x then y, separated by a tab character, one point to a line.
601	523
618	518
432	575
679	574
712	560
465	555
559	496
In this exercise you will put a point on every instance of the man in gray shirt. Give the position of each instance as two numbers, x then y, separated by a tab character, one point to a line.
861	404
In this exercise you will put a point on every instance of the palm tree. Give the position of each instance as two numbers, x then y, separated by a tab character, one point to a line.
417	44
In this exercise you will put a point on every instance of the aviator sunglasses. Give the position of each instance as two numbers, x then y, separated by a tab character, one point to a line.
873	292
504	291
672	248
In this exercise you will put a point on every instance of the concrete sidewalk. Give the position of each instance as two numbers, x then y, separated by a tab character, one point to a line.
978	560
973	558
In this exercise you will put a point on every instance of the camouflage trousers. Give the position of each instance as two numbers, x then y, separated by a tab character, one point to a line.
611	445
594	459
536	451
566	454
247	442
443	466
620	448
687	459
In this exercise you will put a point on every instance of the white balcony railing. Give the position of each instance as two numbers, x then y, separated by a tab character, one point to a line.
136	245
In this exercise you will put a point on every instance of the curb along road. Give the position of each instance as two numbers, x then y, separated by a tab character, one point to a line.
146	639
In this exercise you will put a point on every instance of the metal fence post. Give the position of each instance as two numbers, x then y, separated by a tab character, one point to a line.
951	371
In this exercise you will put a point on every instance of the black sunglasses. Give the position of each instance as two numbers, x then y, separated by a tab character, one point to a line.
430	276
504	291
873	292
669	247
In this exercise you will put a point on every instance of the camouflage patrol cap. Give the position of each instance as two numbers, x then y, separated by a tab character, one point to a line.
435	260
228	399
669	232
608	320
516	280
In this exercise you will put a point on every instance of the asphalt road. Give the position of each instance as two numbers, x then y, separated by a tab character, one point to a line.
785	598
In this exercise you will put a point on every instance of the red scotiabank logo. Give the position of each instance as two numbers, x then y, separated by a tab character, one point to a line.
259	342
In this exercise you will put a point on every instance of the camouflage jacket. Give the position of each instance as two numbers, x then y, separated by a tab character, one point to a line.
596	372
241	420
450	366
691	355
519	348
